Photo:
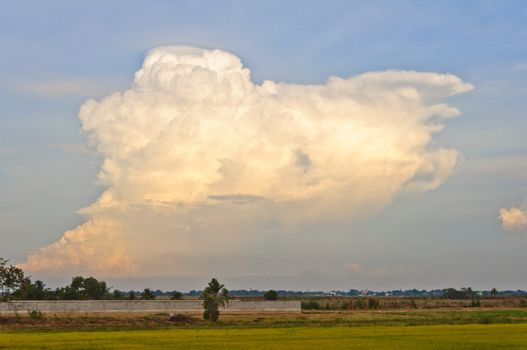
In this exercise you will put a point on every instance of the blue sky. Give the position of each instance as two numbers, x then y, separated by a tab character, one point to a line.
54	55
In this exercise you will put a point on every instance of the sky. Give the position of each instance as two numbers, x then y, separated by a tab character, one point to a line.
277	144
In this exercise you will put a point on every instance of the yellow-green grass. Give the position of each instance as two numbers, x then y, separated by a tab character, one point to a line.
481	337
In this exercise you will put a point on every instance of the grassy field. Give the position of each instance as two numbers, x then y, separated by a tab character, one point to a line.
465	328
503	336
361	318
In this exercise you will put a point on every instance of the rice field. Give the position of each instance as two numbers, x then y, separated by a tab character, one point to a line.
475	336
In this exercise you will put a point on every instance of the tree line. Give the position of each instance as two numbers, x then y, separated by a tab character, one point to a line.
15	285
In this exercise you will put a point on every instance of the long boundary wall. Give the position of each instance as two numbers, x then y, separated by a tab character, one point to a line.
169	306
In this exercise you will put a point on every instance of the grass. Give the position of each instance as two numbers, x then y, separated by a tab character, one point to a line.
481	337
359	318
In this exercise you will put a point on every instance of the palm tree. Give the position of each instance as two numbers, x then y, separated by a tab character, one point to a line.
214	296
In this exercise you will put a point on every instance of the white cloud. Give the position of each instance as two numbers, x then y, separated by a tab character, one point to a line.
194	138
514	218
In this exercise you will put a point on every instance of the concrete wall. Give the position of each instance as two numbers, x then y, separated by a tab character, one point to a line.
169	306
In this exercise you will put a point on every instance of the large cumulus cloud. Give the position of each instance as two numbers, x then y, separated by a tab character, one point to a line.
195	149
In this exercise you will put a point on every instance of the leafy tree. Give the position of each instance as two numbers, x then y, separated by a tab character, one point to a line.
271	295
93	289
34	291
84	288
214	296
177	295
74	290
147	294
131	295
11	279
117	295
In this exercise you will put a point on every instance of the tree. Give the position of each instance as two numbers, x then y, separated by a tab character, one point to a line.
85	288
74	290
214	296
452	293
271	295
94	289
117	295
34	291
147	294
493	292
11	279
131	295
177	295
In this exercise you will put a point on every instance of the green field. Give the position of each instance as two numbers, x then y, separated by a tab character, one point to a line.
364	329
498	336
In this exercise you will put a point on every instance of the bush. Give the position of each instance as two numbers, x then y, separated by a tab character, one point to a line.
35	314
373	304
485	320
271	295
357	304
177	296
180	318
310	305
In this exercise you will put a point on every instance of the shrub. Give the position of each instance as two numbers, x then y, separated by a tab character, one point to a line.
474	301
373	303
180	318
271	295
310	305
177	296
357	304
485	320
35	314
